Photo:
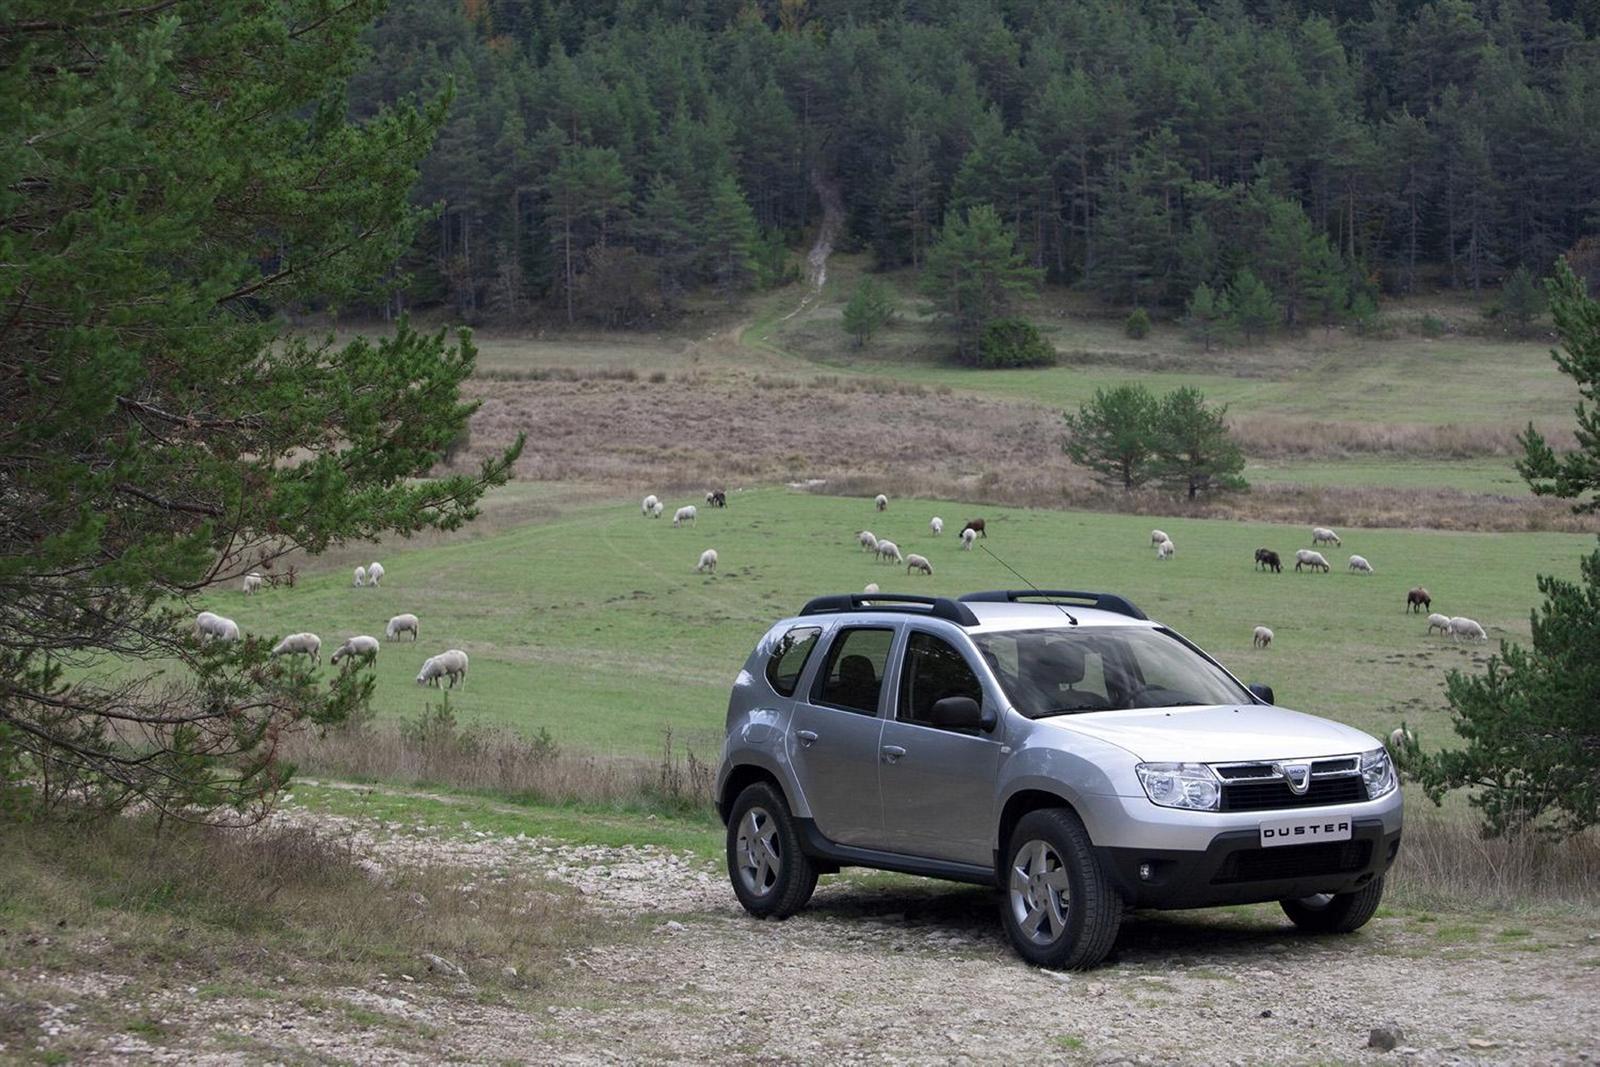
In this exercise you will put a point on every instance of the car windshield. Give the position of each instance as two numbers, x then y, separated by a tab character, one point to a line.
1061	671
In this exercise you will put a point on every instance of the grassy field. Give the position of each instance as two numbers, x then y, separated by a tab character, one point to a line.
1487	475
589	621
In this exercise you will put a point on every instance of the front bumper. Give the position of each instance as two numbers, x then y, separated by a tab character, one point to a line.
1235	869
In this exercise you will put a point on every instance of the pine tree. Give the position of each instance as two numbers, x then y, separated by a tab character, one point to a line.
1521	299
1252	310
1326	284
1194	449
869	309
180	181
728	238
1114	435
1575	476
973	273
1207	315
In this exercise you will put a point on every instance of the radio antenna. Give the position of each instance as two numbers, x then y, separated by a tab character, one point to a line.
1035	588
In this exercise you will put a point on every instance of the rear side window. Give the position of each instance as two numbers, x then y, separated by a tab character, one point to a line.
856	665
788	659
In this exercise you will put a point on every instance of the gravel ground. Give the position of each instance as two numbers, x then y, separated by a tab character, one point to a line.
897	970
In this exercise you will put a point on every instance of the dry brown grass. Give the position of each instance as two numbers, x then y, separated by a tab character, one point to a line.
1277	437
1444	861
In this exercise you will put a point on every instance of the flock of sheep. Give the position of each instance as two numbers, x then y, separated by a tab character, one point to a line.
652	508
450	664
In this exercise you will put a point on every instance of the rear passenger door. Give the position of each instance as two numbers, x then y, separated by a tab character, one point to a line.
833	735
938	785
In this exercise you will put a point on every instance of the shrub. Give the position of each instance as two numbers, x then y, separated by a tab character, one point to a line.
1014	343
1137	324
1433	326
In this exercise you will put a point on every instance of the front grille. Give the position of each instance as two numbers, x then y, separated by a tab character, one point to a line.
1293	861
1232	771
1267	796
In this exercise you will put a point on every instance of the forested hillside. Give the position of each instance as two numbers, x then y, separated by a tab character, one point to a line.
604	158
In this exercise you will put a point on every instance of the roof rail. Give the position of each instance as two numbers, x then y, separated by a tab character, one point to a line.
1101	601
939	607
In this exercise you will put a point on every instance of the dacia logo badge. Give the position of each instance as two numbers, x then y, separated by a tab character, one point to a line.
1298	775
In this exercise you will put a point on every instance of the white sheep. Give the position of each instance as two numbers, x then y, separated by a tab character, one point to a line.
968	536
1399	737
687	513
1360	565
212	627
359	647
708	561
375	573
1321	535
1262	638
1461	626
647	507
1305	557
1158	536
252	583
880	502
936	524
659	510
451	664
1438	622
889	550
400	624
867	540
872	587
361	577
1166	550
300	644
915	562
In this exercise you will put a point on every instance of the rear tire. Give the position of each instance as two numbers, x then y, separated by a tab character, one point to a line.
1335	913
1058	907
771	876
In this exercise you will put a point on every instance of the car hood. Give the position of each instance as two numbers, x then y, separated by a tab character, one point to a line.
1217	734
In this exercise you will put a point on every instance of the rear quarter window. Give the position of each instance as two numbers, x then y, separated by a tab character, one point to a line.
788	659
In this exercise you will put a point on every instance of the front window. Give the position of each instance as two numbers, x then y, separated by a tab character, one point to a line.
1066	672
933	670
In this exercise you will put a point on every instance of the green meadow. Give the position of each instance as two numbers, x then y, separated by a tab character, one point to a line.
589	621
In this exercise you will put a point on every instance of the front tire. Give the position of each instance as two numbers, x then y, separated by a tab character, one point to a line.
1058	907
1335	913
771	876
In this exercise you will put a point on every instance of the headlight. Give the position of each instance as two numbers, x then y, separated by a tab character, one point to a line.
1378	773
1180	785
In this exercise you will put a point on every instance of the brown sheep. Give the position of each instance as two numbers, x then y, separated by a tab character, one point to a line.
978	527
1418	601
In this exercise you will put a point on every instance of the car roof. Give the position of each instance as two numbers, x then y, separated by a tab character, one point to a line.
993	611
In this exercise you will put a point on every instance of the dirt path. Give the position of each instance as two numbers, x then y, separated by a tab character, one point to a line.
897	970
827	190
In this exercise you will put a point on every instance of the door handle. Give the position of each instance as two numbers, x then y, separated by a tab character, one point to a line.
807	737
891	753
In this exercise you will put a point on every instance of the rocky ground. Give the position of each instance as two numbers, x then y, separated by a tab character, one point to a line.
885	969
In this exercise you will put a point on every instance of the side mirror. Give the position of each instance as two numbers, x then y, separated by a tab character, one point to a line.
1262	693
961	713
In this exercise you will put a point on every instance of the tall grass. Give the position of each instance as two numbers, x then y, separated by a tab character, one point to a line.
1445	861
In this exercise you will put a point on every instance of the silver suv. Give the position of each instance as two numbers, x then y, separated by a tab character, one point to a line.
1056	745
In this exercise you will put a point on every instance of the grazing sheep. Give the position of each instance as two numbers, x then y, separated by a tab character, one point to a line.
1158	536
375	573
1418	600
1166	550
1360	565
211	627
1461	626
967	537
915	562
687	513
1438	622
659	510
708	562
361	577
1267	560
1315	560
1399	737
252	583
880	502
978	526
872	587
451	664
936	524
359	647
716	498
300	644
1262	638
647	507
867	540
888	550
402	624
1321	535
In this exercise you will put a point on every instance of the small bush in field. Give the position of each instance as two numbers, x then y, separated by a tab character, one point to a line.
1433	326
1014	343
1137	325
